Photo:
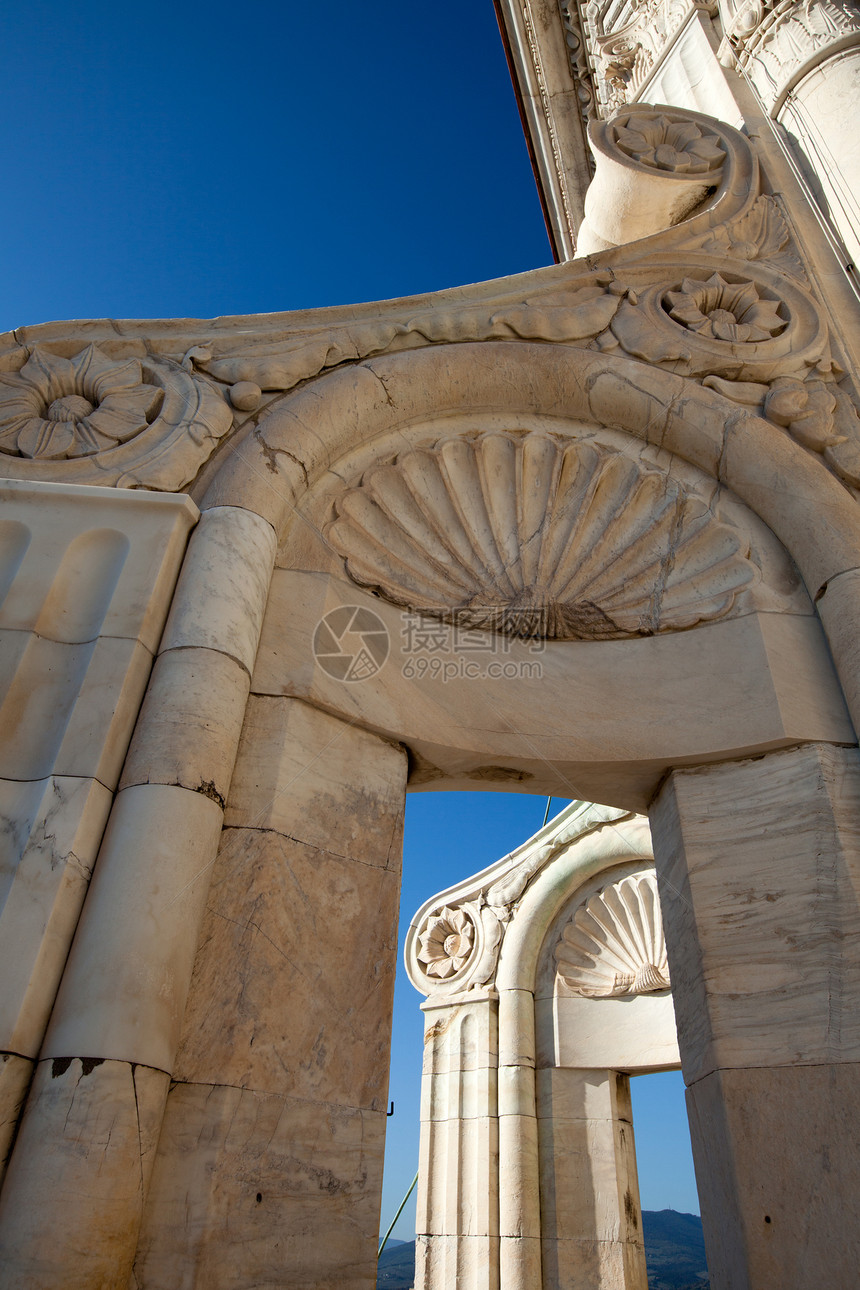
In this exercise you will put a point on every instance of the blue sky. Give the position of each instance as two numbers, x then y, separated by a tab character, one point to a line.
178	160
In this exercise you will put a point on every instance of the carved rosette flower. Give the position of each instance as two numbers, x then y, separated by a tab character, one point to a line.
445	943
56	408
721	310
676	146
614	944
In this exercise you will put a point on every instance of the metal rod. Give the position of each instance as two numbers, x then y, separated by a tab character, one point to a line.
546	812
397	1215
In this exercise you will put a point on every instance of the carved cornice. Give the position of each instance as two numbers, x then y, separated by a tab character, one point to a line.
146	404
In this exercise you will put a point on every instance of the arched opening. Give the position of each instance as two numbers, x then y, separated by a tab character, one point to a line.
613	719
279	1063
448	837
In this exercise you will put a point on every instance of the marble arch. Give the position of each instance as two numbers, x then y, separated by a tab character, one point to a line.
203	1078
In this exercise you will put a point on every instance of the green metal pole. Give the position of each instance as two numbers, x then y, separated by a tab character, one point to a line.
397	1215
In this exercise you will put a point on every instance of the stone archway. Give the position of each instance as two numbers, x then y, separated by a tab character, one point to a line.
319	786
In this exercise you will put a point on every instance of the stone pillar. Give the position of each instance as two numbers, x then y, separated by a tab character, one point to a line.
72	1201
759	870
86	577
457	1219
519	1193
591	1218
269	1167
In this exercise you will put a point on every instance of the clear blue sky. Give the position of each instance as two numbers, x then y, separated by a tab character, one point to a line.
186	160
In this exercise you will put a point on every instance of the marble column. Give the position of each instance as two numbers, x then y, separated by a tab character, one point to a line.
457	1219
86	577
269	1168
519	1194
758	863
591	1219
72	1200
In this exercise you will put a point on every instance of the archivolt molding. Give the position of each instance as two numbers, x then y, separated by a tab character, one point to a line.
455	939
271	467
719	298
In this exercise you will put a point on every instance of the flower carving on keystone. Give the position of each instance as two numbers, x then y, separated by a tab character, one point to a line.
676	146
721	310
57	408
445	943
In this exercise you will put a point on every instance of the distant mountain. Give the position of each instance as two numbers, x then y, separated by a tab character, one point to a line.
674	1252
396	1267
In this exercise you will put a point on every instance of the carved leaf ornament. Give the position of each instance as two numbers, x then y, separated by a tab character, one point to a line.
538	537
614	944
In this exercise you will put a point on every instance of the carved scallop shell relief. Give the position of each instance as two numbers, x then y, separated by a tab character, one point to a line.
536	536
614	943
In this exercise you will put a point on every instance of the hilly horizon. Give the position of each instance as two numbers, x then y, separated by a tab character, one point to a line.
674	1253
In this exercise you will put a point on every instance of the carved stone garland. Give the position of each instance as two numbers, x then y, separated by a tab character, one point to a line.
534	536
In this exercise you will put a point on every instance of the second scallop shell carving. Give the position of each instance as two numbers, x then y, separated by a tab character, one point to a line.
539	537
614	943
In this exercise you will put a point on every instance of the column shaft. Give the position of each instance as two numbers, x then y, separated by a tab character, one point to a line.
759	870
269	1169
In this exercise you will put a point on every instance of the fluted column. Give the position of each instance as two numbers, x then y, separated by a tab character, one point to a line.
71	1206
